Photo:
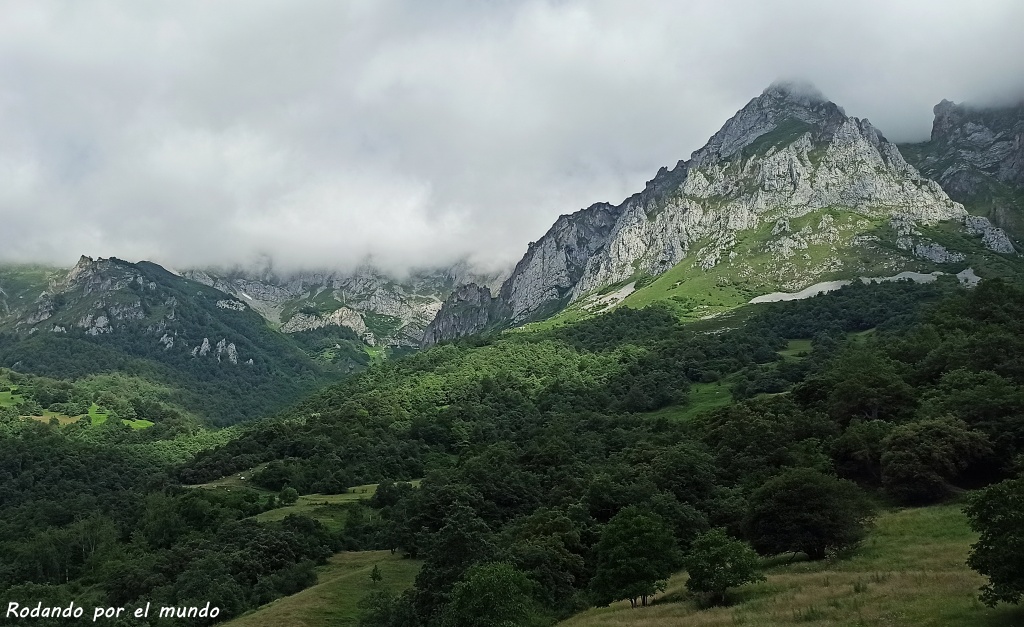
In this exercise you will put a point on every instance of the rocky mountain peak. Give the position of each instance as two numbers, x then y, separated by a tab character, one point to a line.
800	93
788	104
977	155
788	154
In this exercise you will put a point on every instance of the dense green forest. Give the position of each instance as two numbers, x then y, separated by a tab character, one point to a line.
557	469
157	321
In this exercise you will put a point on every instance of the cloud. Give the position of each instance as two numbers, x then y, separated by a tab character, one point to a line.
320	132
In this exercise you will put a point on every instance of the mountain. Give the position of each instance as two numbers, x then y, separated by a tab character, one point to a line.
977	155
380	309
109	315
791	191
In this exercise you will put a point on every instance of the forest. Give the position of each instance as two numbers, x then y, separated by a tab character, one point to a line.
539	474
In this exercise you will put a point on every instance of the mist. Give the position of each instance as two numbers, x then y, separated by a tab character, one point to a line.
321	134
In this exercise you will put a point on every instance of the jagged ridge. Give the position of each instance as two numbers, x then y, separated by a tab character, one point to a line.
787	153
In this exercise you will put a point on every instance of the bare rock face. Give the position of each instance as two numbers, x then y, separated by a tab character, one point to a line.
380	308
343	317
977	155
989	140
469	310
784	155
788	153
553	266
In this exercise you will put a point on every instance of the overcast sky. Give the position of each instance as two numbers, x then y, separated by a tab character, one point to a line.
319	132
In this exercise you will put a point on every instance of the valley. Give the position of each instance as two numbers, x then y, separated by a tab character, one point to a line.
796	354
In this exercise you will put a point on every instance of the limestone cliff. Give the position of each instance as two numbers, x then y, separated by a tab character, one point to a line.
469	310
788	154
381	309
977	155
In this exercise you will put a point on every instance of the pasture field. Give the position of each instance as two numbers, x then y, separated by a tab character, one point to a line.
333	601
702	397
327	508
910	570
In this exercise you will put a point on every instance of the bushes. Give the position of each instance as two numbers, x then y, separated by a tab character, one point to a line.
921	458
717	562
997	515
806	511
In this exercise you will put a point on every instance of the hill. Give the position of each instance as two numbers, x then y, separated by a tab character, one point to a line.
341	584
219	357
911	570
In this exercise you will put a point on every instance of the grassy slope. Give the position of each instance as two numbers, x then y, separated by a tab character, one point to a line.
699	295
910	571
702	397
327	508
333	601
9	399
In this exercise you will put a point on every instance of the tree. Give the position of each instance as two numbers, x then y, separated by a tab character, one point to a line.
375	575
997	515
805	510
635	555
858	451
288	496
490	595
462	541
866	384
547	545
717	562
920	458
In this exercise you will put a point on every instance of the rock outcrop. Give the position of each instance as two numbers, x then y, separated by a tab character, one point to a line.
977	155
379	308
787	154
471	309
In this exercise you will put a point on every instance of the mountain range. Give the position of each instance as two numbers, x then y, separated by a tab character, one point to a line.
789	193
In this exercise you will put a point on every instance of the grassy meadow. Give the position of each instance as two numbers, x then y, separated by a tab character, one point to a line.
333	601
910	570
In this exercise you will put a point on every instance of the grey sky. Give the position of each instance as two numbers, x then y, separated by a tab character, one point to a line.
194	133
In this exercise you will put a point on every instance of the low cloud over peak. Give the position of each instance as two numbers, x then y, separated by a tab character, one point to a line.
320	133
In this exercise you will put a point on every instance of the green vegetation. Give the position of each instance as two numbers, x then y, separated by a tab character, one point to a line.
341	583
910	570
636	553
785	133
210	387
561	469
996	514
382	325
699	296
716	563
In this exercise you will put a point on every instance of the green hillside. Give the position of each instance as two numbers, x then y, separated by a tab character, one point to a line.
334	600
535	477
911	570
215	357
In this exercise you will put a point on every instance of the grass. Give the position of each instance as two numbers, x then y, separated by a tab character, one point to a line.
10	398
96	417
7	399
327	508
796	349
910	571
702	397
334	600
236	480
701	297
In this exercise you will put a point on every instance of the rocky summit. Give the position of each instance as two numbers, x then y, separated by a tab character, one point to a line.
379	308
977	155
789	192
